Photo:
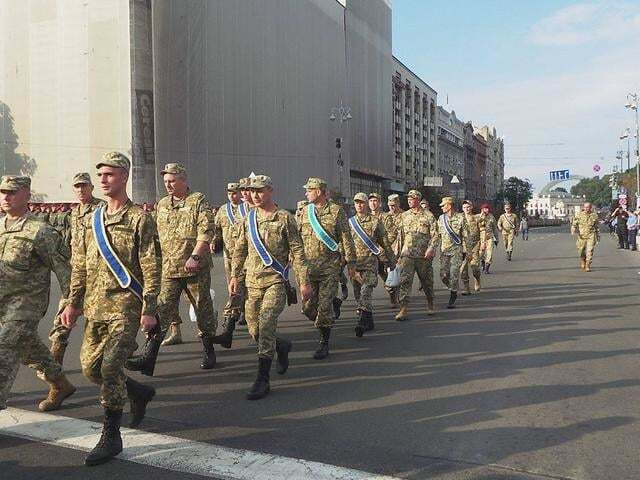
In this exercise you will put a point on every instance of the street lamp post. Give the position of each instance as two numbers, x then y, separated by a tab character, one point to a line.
627	135
341	114
620	156
632	103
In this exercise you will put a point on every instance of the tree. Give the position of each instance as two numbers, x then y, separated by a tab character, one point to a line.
517	192
595	190
560	189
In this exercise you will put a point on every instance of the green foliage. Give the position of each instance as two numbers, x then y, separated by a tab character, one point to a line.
596	190
517	192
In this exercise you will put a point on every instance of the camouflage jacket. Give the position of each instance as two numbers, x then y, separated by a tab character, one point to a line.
61	221
226	232
133	235
29	251
477	230
333	219
417	232
77	219
491	228
508	222
460	227
181	224
279	233
374	228
586	225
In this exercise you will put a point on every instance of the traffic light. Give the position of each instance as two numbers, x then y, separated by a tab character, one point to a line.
338	143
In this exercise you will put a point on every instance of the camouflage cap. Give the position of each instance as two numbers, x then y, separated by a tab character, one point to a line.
115	159
233	187
82	177
243	183
374	195
302	204
13	183
393	199
360	197
174	168
315	182
446	200
414	194
261	181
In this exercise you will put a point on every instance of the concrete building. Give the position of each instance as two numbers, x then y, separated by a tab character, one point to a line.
414	127
494	172
556	205
224	86
480	167
451	158
470	187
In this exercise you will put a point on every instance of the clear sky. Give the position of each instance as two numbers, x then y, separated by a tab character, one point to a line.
552	76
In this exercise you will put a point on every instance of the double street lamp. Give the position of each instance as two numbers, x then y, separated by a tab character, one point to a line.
341	114
633	100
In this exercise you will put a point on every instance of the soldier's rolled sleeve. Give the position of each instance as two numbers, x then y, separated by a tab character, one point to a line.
150	263
344	234
296	252
206	223
240	252
54	254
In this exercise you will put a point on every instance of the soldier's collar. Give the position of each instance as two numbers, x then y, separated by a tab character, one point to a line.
18	224
110	219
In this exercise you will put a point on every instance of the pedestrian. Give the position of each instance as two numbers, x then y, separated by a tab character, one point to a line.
508	225
417	241
324	229
453	232
471	248
115	280
586	226
621	215
265	244
524	228
29	251
371	243
632	228
490	238
87	203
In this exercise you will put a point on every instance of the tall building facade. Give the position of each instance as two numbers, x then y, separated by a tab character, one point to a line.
451	158
494	171
415	118
479	167
470	186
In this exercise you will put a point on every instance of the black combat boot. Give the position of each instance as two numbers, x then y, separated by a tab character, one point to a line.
361	325
226	337
337	303
110	443
145	363
139	395
323	348
509	256
369	326
261	387
283	347
452	299
209	358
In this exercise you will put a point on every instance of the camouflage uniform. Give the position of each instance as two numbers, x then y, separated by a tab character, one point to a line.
113	313
491	236
508	225
450	253
586	226
471	248
417	233
29	251
181	224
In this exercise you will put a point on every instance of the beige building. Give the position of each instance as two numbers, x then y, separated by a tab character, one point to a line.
494	170
556	205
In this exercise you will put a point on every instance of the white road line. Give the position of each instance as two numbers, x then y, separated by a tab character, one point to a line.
173	453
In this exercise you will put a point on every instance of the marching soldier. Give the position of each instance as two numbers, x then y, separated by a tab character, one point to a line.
185	228
227	222
585	225
476	237
417	241
375	208
115	278
266	241
324	228
87	203
369	235
490	237
508	226
391	223
29	251
453	231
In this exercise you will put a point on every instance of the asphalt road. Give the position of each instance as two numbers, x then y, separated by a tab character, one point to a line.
535	377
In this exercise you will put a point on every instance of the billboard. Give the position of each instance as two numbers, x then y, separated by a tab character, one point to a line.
559	175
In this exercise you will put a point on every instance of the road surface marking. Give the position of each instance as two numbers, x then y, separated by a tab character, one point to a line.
173	453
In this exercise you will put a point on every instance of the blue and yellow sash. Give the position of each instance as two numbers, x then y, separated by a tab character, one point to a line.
125	278
258	245
230	215
447	226
362	235
320	232
242	209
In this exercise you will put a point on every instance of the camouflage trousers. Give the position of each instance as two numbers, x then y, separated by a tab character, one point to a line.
487	255
262	309
508	240
105	347
471	261
59	333
363	291
235	304
20	344
450	263
319	308
586	246
408	268
197	290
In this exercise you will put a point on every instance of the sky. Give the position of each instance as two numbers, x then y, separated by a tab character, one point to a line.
552	76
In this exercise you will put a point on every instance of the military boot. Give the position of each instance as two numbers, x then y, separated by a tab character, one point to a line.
59	389
361	325
430	309
226	337
110	443
261	387
139	395
369	326
583	263
283	347
476	284
175	335
57	352
467	290
587	267
452	299
323	347
482	263
509	256
145	363
402	314
209	358
337	303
